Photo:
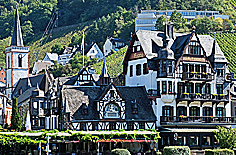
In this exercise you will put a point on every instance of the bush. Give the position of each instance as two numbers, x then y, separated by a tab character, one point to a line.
158	153
176	150
120	152
219	152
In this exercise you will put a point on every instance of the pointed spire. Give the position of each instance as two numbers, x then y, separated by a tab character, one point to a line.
17	39
104	70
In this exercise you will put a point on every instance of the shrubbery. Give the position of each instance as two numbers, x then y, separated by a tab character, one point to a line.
120	152
219	152
176	150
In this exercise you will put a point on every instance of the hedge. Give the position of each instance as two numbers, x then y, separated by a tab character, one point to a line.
176	150
120	152
219	152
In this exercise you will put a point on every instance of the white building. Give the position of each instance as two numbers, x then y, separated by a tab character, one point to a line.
112	44
93	51
146	20
17	65
51	57
188	82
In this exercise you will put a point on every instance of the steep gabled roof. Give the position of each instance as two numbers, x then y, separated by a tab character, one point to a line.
17	39
75	96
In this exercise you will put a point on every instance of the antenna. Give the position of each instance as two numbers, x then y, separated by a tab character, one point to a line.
83	48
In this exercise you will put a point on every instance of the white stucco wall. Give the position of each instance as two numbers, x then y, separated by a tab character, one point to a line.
147	80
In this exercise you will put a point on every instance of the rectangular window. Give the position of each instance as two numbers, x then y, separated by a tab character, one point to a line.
141	125
194	111
220	72
170	87
193	140
131	70
180	87
190	88
219	88
208	88
145	68
35	105
164	66
138	69
167	111
198	88
181	141
206	140
42	123
163	87
130	126
219	111
112	126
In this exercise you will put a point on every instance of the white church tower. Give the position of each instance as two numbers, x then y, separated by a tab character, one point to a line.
17	65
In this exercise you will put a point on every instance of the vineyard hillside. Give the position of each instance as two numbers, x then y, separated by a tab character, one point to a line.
227	42
114	63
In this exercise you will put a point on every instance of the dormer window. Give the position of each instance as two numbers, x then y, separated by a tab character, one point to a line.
134	107
20	60
85	109
194	48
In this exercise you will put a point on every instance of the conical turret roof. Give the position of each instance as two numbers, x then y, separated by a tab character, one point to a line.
17	39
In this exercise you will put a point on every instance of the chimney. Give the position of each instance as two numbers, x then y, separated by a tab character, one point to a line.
169	30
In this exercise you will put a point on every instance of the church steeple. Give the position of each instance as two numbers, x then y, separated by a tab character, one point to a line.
104	77
17	39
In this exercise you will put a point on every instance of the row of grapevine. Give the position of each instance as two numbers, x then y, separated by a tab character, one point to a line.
227	42
233	2
114	63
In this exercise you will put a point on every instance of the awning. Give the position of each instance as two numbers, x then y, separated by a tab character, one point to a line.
125	140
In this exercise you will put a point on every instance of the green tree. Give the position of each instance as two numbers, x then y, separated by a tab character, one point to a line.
75	40
28	32
226	137
160	23
15	116
178	20
203	25
57	48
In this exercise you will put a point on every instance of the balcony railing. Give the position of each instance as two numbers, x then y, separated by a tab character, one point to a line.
198	96
197	76
196	119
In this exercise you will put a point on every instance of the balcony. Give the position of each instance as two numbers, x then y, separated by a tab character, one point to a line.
197	76
202	97
196	120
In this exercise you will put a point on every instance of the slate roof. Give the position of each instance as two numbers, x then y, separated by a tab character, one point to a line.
91	95
17	39
23	83
113	40
152	41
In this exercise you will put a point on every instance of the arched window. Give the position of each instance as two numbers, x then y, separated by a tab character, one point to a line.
20	60
112	111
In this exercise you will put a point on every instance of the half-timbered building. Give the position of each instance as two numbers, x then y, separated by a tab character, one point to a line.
106	106
188	82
